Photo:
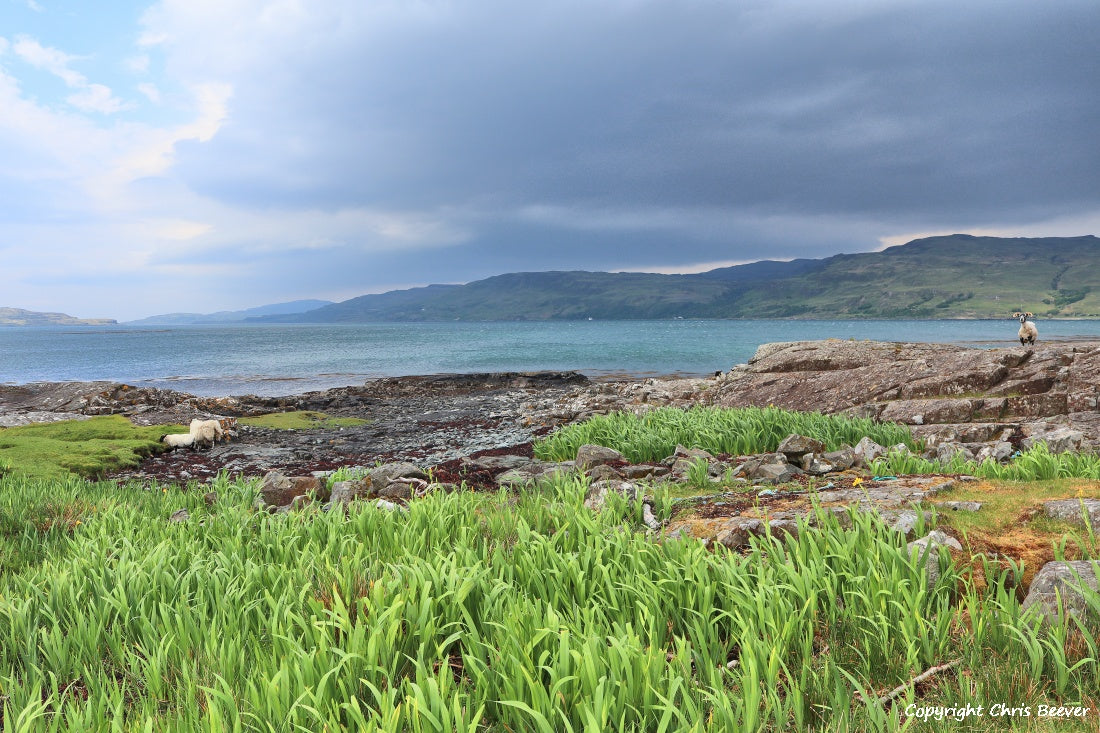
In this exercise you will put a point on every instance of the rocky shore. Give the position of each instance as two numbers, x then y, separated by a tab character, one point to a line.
957	399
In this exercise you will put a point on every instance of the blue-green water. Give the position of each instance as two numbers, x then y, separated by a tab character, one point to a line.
287	359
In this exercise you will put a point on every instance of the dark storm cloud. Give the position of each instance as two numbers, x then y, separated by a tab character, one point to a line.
903	111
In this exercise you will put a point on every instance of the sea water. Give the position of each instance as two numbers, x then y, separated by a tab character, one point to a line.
289	359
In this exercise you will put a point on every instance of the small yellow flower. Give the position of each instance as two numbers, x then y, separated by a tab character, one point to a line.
857	482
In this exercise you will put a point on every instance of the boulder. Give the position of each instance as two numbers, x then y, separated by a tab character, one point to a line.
867	450
344	492
737	532
180	515
842	459
598	492
1075	511
396	490
589	456
1065	580
817	466
280	490
928	550
946	452
794	446
906	521
603	472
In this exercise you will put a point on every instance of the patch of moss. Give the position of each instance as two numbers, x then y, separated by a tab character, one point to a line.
87	448
301	420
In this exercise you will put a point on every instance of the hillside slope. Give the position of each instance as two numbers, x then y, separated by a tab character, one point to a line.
958	276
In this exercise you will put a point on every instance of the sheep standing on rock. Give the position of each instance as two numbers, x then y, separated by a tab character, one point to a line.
1028	332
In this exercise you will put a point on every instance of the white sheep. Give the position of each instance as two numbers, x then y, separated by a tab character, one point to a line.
202	433
179	440
207	432
1028	332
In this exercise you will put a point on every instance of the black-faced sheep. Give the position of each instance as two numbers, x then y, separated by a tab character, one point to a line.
1028	332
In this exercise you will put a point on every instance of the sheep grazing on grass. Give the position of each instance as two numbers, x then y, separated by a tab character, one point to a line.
1028	332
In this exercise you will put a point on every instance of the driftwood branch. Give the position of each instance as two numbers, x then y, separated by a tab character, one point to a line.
930	672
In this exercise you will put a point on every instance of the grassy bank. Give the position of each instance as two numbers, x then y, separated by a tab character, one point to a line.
88	448
497	612
655	435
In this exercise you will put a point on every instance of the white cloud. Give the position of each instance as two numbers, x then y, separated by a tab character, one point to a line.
151	92
138	64
89	97
96	98
49	59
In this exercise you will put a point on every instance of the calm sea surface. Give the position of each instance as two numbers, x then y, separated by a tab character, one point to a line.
288	359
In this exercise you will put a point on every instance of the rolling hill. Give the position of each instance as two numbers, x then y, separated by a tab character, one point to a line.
957	276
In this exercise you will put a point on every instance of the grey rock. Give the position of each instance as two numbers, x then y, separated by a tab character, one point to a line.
816	466
300	502
1065	579
515	477
776	473
388	473
1059	440
589	456
180	515
603	472
842	459
642	471
928	549
691	454
1075	511
396	490
736	532
794	446
598	492
280	490
945	452
347	491
999	451
867	450
962	506
905	522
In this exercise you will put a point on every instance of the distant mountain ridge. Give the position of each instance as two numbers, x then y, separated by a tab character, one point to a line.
956	276
191	319
20	317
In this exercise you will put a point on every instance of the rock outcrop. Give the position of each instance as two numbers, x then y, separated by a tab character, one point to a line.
947	393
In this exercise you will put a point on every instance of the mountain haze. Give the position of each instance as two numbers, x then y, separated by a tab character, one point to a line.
20	317
188	319
957	276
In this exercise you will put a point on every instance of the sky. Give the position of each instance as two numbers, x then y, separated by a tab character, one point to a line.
206	155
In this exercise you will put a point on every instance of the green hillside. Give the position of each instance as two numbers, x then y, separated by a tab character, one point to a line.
944	277
958	276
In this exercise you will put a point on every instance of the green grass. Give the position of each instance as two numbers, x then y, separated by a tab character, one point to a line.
655	435
88	448
300	420
1035	464
490	612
